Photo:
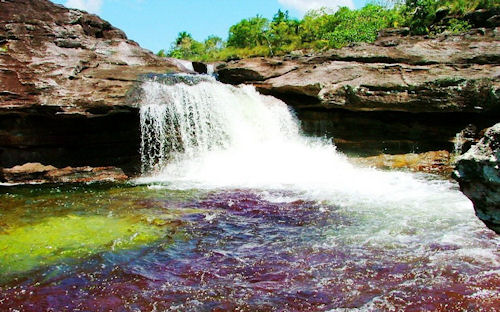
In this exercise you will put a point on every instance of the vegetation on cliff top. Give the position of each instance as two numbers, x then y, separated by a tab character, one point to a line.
324	29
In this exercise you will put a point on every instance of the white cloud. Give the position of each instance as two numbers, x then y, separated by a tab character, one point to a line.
305	5
91	6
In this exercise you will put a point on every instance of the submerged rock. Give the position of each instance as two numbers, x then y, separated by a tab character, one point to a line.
478	172
38	173
70	237
439	162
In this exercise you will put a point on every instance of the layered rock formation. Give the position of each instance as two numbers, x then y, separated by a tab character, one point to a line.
478	172
64	79
401	93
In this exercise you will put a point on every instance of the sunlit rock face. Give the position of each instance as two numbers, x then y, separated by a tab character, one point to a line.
400	94
55	56
38	173
64	79
479	176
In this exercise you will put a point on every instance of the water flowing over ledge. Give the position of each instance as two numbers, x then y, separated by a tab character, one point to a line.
240	211
208	135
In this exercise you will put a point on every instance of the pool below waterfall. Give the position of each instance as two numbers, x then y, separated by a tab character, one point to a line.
236	210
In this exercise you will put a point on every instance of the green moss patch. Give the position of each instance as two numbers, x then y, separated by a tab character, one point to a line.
57	238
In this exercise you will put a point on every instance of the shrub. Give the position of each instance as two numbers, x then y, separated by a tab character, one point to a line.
324	28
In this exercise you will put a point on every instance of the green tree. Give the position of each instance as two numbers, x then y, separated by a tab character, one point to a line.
317	24
185	47
213	43
348	26
249	33
162	53
420	15
283	32
182	37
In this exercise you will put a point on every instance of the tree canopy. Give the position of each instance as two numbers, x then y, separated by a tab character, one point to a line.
326	29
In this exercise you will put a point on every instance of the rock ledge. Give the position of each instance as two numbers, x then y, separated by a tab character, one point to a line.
38	173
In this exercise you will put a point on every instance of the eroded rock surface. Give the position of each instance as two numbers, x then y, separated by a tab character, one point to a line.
415	93
438	162
478	172
64	79
411	74
68	58
38	173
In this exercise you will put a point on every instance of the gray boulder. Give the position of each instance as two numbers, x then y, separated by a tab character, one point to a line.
478	173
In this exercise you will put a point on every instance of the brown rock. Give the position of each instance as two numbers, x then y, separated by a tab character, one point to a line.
67	58
38	173
65	76
397	95
438	162
86	175
26	172
443	74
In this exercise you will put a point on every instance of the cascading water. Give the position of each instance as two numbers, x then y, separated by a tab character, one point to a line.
247	150
208	135
238	211
211	135
178	123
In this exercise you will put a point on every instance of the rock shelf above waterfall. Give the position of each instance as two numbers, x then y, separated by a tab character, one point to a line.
67	58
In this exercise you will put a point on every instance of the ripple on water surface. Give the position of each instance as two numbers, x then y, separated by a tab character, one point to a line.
243	249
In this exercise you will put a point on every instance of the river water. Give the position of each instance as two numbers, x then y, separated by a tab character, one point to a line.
236	210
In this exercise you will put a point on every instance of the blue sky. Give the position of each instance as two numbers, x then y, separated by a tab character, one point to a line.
154	24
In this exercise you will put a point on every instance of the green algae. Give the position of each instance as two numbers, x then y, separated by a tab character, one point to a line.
25	248
44	226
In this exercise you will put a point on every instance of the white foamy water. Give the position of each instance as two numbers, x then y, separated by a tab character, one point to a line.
214	136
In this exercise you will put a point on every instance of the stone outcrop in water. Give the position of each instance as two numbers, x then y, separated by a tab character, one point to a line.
401	93
64	80
478	172
38	173
439	162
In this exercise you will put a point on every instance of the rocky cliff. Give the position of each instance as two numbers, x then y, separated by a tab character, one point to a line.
64	79
401	93
478	172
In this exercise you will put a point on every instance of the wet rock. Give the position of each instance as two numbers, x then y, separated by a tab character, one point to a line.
200	68
483	17
466	138
26	172
38	173
478	172
86	175
100	136
389	132
438	162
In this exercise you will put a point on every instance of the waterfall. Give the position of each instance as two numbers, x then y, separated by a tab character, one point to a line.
178	120
199	115
207	135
